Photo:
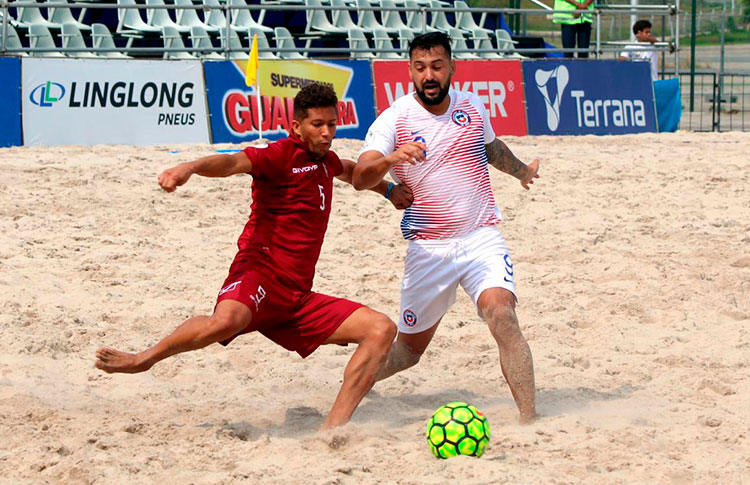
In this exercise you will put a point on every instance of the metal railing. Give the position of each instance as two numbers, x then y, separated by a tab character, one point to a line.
711	111
598	49
734	103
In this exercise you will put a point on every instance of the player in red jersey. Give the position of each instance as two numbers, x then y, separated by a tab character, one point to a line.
269	284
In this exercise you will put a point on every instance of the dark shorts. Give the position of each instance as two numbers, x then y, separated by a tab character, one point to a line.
299	321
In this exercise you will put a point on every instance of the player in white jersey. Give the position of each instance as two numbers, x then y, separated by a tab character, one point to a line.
438	142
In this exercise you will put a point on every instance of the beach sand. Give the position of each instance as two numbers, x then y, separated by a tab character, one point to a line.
632	261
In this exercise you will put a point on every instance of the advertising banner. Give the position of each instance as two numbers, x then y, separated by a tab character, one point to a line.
668	104
497	83
93	101
576	97
234	106
10	101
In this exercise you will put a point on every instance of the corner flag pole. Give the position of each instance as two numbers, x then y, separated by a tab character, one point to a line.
251	78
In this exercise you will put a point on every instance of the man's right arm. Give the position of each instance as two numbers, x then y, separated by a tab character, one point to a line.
379	153
221	165
373	165
370	169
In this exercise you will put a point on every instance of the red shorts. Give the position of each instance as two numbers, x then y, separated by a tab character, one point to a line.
297	320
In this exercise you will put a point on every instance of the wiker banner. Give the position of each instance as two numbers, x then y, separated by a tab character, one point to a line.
499	85
233	107
595	97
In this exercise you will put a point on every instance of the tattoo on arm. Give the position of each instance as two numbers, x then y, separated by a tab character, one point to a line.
500	157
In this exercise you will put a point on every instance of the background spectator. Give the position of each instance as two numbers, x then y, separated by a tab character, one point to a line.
575	26
640	52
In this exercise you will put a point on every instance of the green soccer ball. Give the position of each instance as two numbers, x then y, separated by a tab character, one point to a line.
458	429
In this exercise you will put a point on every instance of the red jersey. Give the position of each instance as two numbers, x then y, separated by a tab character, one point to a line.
292	194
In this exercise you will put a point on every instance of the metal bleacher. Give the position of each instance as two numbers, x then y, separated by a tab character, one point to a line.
223	29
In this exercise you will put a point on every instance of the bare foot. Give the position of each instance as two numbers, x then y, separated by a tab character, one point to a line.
529	418
111	360
330	423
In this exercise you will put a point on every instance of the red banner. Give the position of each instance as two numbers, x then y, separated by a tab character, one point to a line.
499	85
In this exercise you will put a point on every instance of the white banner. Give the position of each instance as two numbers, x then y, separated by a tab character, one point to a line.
102	101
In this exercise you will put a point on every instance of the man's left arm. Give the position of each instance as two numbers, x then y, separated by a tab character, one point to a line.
400	195
500	157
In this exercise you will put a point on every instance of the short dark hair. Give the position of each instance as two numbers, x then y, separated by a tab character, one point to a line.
314	95
641	25
429	41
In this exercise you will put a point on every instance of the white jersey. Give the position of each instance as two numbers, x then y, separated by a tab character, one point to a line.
638	53
452	193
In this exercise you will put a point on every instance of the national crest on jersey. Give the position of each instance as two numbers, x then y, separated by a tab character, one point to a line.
460	117
452	193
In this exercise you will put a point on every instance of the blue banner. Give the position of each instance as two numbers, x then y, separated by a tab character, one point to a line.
233	107
668	104
574	97
10	101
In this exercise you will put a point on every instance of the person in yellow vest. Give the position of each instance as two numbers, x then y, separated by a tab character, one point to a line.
575	24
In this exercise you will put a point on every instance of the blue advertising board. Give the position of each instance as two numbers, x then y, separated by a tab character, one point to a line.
10	101
233	107
574	97
668	104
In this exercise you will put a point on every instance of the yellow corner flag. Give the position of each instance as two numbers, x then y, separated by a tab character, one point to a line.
251	72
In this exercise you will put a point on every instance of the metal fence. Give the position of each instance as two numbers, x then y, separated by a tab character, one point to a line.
598	47
718	103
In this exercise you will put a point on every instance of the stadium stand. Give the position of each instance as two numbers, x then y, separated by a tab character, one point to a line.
482	42
201	42
14	41
392	19
317	21
131	22
506	44
465	20
189	17
415	20
41	38
367	20
284	40
357	40
202	32
72	38
439	18
458	43
236	49
61	16
216	18
341	18
383	43
404	37
102	39
173	40
242	20
28	16
264	48
159	17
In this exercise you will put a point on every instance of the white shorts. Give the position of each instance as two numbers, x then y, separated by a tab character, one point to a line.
434	268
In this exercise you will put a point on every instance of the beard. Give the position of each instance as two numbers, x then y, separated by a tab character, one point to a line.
438	98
